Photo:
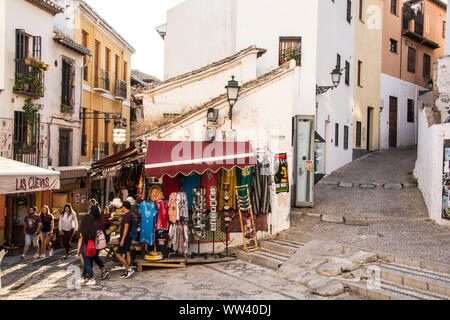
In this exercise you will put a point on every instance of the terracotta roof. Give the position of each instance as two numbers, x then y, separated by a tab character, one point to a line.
144	77
69	43
246	86
106	23
47	5
205	68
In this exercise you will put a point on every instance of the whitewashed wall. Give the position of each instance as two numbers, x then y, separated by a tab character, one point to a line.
23	15
335	36
261	116
403	90
181	96
429	165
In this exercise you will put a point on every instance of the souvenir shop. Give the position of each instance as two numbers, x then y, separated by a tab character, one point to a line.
191	196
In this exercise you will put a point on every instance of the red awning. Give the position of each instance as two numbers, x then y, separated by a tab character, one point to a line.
173	157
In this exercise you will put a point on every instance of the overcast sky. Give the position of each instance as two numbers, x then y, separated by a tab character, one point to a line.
136	21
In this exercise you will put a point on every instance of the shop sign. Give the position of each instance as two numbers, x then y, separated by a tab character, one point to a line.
446	181
281	176
32	184
309	166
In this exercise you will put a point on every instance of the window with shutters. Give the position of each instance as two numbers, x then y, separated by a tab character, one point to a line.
349	11
68	85
345	137
347	73
411	112
411	59
26	139
394	7
426	65
85	58
290	48
358	134
336	135
64	147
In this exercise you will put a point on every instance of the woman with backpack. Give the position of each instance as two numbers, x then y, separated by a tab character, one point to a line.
86	247
100	239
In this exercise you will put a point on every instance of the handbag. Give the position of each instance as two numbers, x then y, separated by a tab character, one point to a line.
100	241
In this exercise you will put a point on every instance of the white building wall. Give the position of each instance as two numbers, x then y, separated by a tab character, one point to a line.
447	34
181	96
23	15
198	33
403	90
429	165
2	44
335	36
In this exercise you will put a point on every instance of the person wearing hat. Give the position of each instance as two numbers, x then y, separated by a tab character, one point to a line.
125	241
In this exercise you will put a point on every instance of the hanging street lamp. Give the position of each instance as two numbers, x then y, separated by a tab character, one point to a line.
232	95
336	76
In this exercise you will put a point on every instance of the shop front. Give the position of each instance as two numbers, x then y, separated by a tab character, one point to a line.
21	186
220	186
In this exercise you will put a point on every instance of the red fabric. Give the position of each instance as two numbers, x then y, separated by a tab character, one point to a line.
209	179
171	185
173	157
163	215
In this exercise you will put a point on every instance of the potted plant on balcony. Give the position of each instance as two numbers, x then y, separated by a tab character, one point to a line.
28	61
66	109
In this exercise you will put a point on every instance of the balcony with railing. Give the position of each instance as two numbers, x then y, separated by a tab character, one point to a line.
29	77
102	83
413	25
120	91
28	155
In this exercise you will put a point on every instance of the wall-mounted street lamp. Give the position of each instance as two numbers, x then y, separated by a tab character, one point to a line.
336	75
120	135
232	95
430	86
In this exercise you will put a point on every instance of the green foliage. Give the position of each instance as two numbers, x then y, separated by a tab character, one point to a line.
289	54
31	111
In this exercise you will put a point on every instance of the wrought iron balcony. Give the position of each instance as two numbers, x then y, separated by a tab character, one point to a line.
121	90
102	83
28	79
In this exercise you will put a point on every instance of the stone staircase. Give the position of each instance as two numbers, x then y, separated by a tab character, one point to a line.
392	278
273	253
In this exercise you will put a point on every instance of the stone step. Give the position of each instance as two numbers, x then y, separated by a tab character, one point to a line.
279	246
263	258
415	278
292	236
389	291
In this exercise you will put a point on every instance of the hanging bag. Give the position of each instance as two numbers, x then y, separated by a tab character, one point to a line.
90	249
100	241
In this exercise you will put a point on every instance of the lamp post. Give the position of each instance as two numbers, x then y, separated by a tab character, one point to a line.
336	75
232	95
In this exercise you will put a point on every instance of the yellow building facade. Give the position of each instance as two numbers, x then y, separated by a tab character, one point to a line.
367	74
106	84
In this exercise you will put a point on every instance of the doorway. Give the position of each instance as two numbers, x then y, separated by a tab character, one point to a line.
393	110
328	143
64	147
369	127
304	137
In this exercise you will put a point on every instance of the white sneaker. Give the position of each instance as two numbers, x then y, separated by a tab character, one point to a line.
36	256
42	256
90	282
50	253
22	257
81	281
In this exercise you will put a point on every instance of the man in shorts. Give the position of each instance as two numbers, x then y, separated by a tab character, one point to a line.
125	241
32	228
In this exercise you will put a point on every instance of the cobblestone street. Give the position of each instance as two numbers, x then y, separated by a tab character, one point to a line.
224	281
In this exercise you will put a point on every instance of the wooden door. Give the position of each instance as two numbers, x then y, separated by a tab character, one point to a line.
64	147
369	127
393	107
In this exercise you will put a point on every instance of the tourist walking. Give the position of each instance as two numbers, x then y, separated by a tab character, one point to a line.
68	225
46	231
95	213
88	234
125	241
32	228
106	217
